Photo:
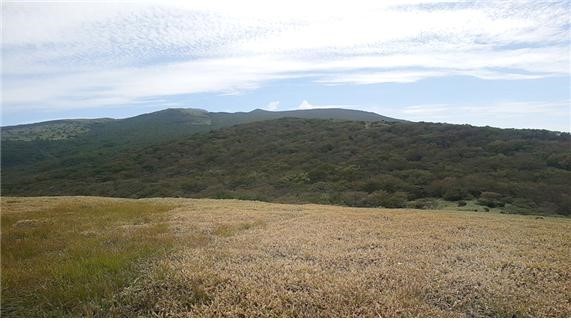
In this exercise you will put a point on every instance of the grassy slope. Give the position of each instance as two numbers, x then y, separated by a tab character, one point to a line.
68	256
183	257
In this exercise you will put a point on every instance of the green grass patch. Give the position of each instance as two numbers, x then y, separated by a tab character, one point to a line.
71	257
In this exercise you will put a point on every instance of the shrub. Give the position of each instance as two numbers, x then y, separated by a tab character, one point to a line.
354	198
424	203
322	172
455	194
395	200
192	187
491	199
377	198
371	186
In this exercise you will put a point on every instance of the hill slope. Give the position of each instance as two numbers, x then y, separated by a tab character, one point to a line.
29	144
168	123
324	161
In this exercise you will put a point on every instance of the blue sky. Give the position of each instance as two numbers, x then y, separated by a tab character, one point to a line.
497	63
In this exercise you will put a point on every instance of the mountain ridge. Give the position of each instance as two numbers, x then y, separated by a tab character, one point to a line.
294	160
320	113
28	144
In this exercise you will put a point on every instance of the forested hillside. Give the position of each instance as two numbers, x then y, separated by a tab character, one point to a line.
355	163
52	140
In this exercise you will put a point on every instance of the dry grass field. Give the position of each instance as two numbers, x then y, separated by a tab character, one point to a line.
88	256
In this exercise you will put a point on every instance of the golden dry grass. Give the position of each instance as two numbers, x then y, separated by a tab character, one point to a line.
242	258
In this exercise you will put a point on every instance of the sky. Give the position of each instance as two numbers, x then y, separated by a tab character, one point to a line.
486	63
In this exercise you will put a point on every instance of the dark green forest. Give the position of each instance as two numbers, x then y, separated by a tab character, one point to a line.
293	160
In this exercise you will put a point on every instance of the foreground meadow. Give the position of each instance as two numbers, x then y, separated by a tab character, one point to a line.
91	256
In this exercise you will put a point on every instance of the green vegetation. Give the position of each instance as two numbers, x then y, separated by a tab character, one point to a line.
33	143
51	130
70	257
291	160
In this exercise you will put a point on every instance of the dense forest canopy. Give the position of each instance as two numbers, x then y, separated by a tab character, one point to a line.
355	163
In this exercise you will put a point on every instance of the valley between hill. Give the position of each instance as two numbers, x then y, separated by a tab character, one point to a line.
94	256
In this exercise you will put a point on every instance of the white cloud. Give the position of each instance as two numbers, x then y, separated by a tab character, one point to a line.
498	109
273	105
80	54
506	114
364	78
306	105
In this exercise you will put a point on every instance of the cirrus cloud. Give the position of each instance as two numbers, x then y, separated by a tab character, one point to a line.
82	54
